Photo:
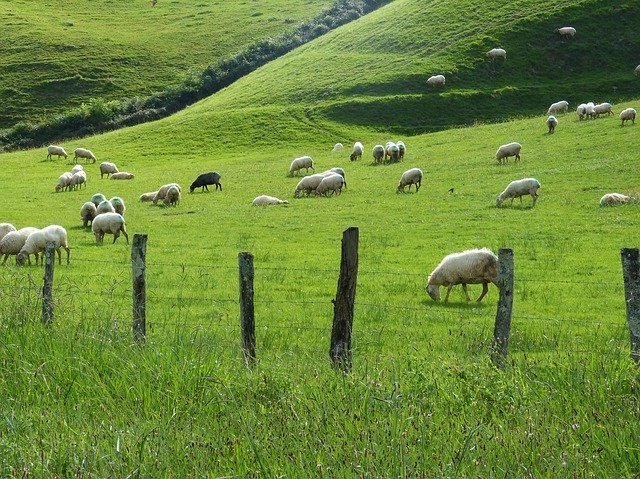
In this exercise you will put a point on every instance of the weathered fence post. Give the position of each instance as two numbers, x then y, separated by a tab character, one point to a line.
139	267
340	351
502	327
47	288
247	314
631	273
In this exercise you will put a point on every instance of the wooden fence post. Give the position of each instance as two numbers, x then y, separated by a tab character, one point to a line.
502	327
340	351
247	313
47	288
631	273
139	267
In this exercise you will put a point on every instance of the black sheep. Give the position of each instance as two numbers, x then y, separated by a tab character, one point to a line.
211	178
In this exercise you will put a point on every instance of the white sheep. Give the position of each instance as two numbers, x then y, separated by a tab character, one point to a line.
172	198
12	242
78	179
339	171
505	151
56	150
392	152
107	168
475	266
566	31
590	110
299	163
118	205
64	182
105	207
331	183
497	53
122	175
87	213
83	153
636	72
611	199
602	108
519	188
552	122
37	242
6	228
109	223
76	168
558	107
410	177
628	114
308	184
378	153
581	110
356	152
402	149
337	147
264	200
97	199
436	80
162	192
147	196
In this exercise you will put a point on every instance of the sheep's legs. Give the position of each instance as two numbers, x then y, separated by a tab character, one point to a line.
449	288
417	186
466	292
485	290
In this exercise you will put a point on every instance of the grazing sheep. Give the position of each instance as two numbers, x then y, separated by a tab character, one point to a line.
87	213
6	228
105	207
356	152
107	168
122	175
497	53
566	31
378	153
76	168
37	242
147	196
78	179
436	80
264	200
109	223
402	149
636	72
519	188
552	122
590	110
118	205
56	150
172	198
205	179
410	177
308	184
332	183
339	171
611	199
392	152
505	151
97	199
558	107
13	242
337	147
581	110
299	163
162	192
602	108
64	182
628	114
468	267
83	153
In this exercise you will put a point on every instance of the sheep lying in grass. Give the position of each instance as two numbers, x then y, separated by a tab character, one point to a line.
566	31
205	179
519	188
378	153
505	151
12	242
64	182
6	228
476	266
552	122
122	175
628	114
162	192
57	151
356	152
107	168
265	200
144	197
37	242
602	108
612	199
305	162
84	153
87	213
109	223
497	53
436	80
410	177
558	107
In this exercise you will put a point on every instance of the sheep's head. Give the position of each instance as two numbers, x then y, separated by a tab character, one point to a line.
433	291
22	258
499	200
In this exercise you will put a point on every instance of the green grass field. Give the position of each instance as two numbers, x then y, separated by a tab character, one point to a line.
423	400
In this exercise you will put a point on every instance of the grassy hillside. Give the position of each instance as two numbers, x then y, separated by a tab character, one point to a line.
57	56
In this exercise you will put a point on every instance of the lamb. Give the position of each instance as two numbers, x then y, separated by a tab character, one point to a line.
611	199
87	213
402	149
378	153
602	108
337	147
392	152
56	150
497	53
97	199
264	200
519	188
6	228
410	177
105	207
636	72
505	151
552	122
581	110
162	192
122	175
37	242
566	31
83	153
64	182
109	223
558	107
468	267
628	114
118	205
332	183
76	168
147	196
107	168
436	80
308	184
172	198
299	163
78	179
205	179
13	242
356	152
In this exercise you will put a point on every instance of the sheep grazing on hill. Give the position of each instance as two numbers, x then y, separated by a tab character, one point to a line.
476	266
590	110
299	163
265	200
337	147
12	242
612	199
331	183
6	228
37	242
172	198
436	80
84	153
378	153
118	205
205	179
122	175
105	207
581	111
602	108
308	184
337	170
78	179
76	168
87	213
109	223
505	151
64	182
162	192
552	122
97	199
107	168
497	53
392	151
402	149
566	31
356	152
57	151
410	177
519	188
628	114
558	107
144	197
